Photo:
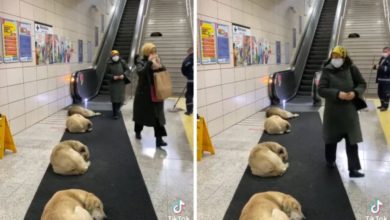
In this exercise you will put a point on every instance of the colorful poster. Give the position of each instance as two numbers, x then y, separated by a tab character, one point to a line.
10	41
89	52
264	51
208	44
294	37
57	49
198	46
96	36
68	51
25	42
241	45
278	53
255	51
1	43
223	43
80	44
41	55
287	52
49	49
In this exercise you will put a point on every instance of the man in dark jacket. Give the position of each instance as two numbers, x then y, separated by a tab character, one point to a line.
117	68
187	69
383	79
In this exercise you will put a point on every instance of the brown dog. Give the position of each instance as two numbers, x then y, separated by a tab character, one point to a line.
70	158
73	204
78	124
268	159
280	112
276	125
76	109
272	206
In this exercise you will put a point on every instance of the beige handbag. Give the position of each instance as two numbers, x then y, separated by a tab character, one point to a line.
163	85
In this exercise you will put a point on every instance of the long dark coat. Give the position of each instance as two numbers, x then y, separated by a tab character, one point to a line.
145	111
340	116
117	87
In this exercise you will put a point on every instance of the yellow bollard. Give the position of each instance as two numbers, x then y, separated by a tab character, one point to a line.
203	139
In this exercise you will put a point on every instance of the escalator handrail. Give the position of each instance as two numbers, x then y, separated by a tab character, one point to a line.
337	25
189	6
387	14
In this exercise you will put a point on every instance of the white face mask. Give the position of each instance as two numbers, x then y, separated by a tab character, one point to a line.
385	55
115	58
337	62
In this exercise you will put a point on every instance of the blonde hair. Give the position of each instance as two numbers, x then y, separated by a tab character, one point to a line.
148	48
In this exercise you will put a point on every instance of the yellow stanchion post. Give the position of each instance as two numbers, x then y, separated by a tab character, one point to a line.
6	140
203	138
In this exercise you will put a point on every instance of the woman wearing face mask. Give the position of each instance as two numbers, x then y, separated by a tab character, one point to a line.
118	68
147	112
340	83
383	79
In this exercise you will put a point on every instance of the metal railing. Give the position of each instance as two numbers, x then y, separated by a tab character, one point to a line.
189	6
337	25
386	13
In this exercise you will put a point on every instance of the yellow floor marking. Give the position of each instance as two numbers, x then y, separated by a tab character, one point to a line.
187	121
384	119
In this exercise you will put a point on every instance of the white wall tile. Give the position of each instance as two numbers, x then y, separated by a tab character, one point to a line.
41	72
201	79
227	75
10	7
228	90
229	120
239	73
240	87
26	10
3	96
3	77
18	124
31	118
31	103
42	86
201	97
202	111
4	110
16	109
212	78
214	94
208	8
215	126
15	92
229	105
30	89
224	12
214	111
14	76
29	74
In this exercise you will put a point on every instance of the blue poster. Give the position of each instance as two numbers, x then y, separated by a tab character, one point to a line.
80	51
25	42
223	43
278	53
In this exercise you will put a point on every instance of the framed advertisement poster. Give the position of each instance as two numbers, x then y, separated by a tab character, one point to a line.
25	42
80	50
10	40
42	49
223	43
1	43
89	52
96	36
208	44
287	52
278	53
241	45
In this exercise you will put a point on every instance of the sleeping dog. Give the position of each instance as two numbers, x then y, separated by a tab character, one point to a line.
280	112
70	158
78	124
268	159
276	125
76	109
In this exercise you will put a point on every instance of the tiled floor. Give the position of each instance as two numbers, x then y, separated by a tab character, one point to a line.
168	173
219	175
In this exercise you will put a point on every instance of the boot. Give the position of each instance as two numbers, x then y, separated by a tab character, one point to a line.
160	142
138	135
355	174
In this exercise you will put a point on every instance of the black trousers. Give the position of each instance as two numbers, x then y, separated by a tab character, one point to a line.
116	106
159	130
189	97
352	154
384	93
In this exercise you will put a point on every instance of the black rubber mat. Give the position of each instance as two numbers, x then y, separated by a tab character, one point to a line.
114	175
319	190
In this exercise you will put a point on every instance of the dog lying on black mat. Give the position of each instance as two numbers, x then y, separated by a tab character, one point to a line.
268	159
272	206
78	124
276	125
70	158
280	112
73	204
76	109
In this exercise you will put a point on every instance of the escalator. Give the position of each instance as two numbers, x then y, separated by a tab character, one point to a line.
295	85
92	85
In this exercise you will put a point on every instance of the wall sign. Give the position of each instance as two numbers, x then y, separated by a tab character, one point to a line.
208	44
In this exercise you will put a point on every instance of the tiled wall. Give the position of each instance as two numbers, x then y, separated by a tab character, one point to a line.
29	93
228	94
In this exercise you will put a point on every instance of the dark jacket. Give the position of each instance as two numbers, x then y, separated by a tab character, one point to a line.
340	116
187	68
117	87
383	73
145	111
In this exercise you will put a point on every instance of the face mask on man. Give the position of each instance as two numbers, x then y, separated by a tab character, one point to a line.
115	58
337	62
385	55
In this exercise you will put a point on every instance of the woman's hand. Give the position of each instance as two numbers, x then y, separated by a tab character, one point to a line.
350	95
152	57
343	95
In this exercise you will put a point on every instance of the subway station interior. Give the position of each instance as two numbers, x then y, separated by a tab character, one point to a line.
287	116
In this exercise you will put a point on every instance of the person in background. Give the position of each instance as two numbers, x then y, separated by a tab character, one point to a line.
187	69
118	68
341	81
146	111
383	79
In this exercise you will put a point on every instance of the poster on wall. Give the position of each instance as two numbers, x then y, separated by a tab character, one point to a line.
198	47
241	45
1	43
49	49
287	52
96	36
58	50
255	51
10	40
40	42
300	24
208	44
294	37
89	52
223	43
278	53
68	50
102	23
264	51
80	50
25	42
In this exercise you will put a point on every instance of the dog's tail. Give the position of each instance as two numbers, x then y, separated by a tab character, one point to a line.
97	114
